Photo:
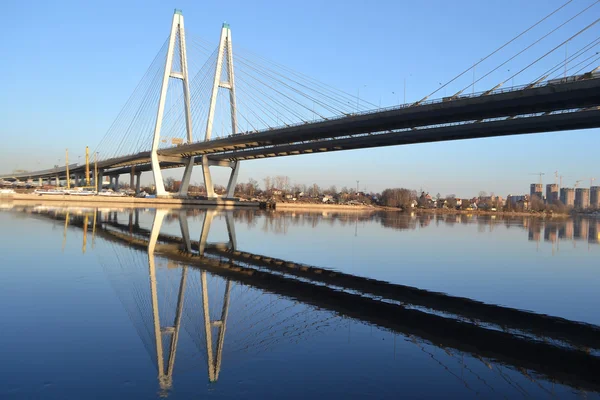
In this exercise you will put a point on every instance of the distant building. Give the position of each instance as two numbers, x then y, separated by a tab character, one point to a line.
518	201
551	193
582	198
490	201
536	189
567	196
595	197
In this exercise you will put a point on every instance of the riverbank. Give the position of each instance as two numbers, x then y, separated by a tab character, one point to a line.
438	211
324	207
498	213
130	201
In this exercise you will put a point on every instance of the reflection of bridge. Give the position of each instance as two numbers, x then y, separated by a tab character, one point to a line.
286	113
553	348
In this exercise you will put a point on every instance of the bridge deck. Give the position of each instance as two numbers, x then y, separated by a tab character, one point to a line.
544	108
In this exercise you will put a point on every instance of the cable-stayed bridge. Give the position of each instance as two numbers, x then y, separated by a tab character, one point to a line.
180	116
224	299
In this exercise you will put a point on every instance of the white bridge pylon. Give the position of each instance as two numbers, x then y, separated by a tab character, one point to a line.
225	54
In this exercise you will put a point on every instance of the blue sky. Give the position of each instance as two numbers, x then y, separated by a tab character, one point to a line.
70	66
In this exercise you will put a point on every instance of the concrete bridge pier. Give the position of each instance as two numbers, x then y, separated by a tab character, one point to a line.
138	183
100	178
132	178
56	181
116	184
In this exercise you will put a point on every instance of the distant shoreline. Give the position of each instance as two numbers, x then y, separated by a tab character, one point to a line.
325	207
484	212
362	208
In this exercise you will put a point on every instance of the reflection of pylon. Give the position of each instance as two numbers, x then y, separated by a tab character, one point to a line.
214	360
165	373
208	218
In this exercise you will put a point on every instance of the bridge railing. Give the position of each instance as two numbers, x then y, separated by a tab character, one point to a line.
50	171
429	101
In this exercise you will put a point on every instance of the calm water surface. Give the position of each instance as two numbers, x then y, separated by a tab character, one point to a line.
145	303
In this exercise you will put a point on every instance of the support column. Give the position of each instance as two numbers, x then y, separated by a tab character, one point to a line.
40	182
100	179
208	184
138	178
187	175
57	181
132	178
116	188
233	180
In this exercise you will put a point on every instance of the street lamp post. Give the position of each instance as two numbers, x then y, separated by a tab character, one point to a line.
96	171
358	96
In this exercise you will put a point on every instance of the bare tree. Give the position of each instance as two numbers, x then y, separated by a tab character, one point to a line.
170	184
399	197
451	201
268	184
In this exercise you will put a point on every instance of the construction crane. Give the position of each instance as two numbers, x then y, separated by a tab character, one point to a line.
556	177
592	182
540	174
577	183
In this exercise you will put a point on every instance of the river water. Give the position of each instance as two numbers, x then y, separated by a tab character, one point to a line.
180	304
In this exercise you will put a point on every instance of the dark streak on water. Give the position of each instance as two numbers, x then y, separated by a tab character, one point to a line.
314	305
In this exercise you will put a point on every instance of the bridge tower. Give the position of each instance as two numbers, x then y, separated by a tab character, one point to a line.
225	54
177	34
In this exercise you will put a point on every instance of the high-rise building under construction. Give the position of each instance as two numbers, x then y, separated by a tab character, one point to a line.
551	193
582	198
595	197
567	196
537	189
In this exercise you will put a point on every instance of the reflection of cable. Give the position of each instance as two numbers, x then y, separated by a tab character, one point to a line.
413	340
